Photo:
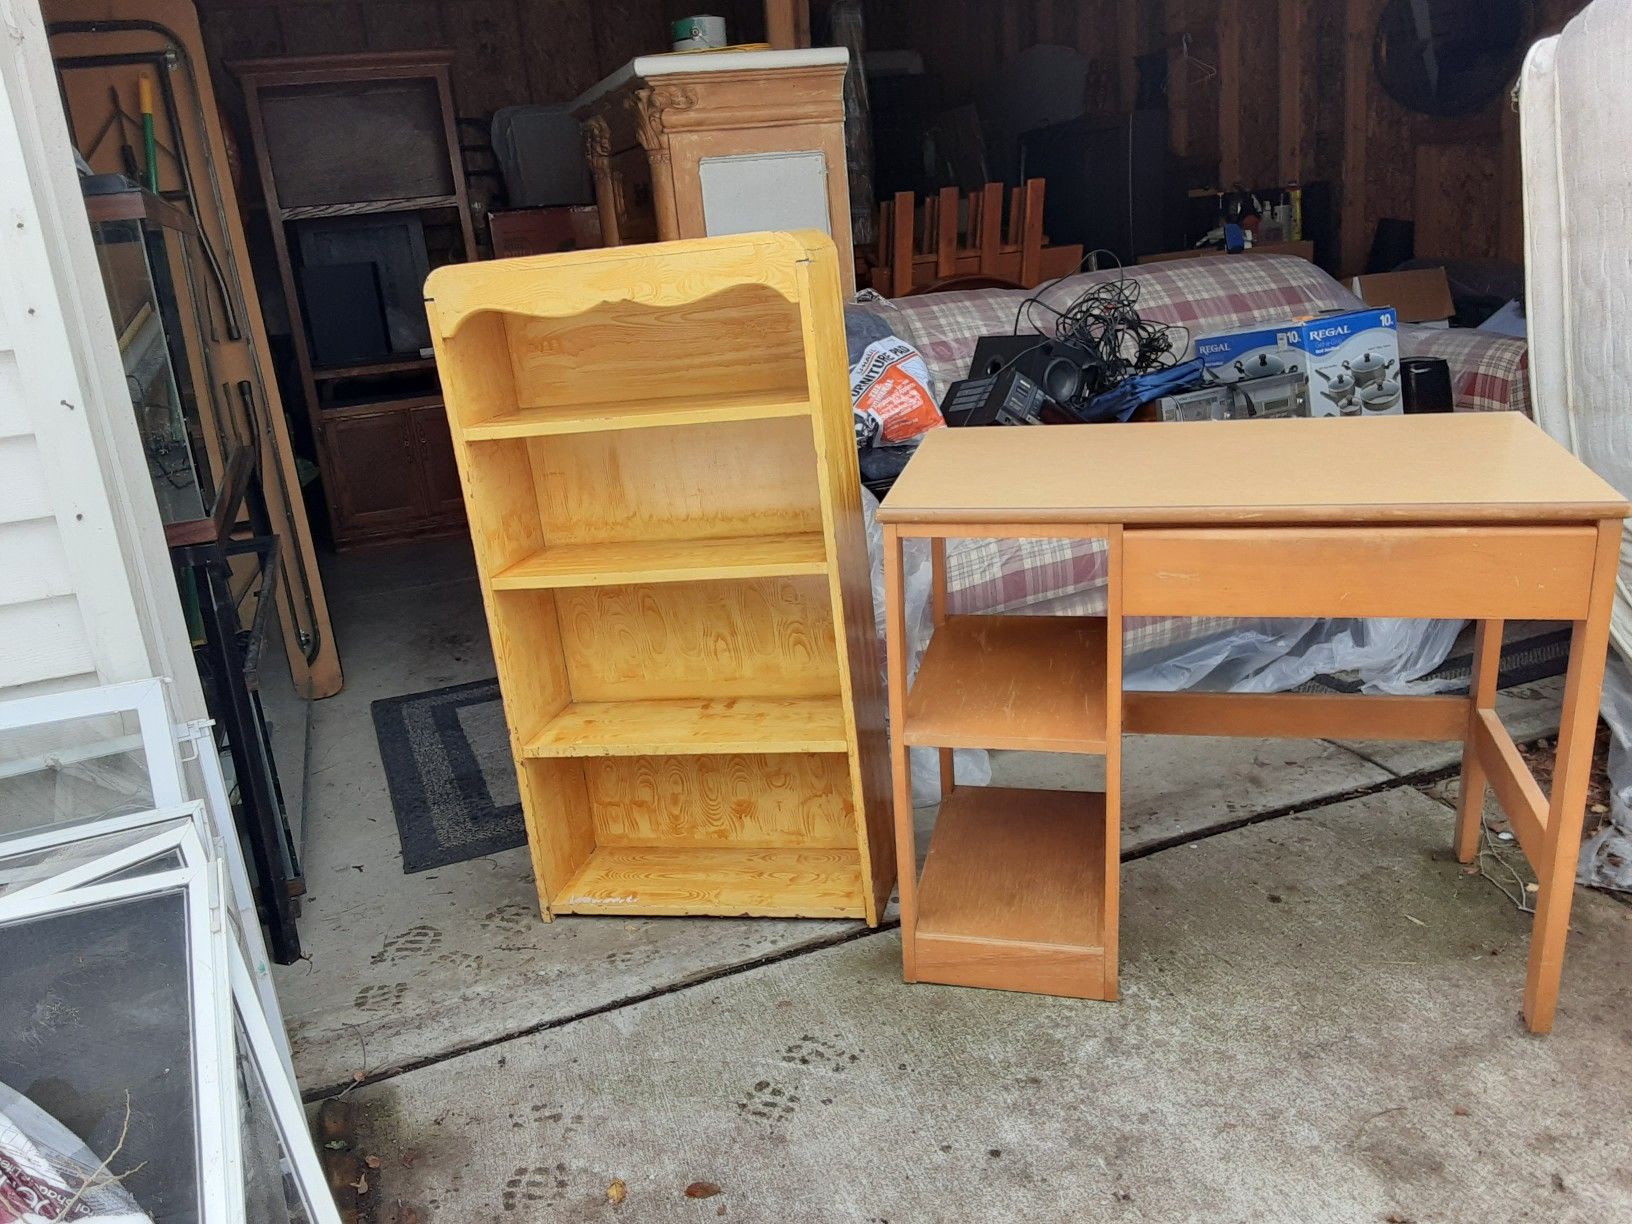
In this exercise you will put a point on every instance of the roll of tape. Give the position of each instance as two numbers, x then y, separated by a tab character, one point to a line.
698	33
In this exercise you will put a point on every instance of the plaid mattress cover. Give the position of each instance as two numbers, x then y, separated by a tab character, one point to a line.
1067	577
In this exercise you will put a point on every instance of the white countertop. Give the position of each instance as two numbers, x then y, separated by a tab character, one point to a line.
647	66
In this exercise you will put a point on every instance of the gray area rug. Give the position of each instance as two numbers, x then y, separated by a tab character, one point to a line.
453	785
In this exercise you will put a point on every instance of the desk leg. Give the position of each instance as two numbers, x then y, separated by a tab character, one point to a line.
896	647
1111	920
1566	809
1470	808
937	608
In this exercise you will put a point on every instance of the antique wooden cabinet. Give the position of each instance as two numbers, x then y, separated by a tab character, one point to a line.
696	145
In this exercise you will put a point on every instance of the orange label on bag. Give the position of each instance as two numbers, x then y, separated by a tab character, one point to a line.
891	383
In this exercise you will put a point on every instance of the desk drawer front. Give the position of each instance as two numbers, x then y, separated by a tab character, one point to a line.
1539	573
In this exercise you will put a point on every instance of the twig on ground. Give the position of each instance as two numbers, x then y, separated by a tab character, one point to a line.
95	1178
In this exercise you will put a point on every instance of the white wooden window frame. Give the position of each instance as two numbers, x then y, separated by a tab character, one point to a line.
148	700
218	1148
187	840
265	1051
144	698
288	1112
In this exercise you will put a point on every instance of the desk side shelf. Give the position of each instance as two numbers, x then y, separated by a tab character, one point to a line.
1019	888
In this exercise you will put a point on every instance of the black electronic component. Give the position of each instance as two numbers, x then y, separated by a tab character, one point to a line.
1009	398
1064	371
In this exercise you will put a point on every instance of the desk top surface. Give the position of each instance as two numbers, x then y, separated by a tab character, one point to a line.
1453	468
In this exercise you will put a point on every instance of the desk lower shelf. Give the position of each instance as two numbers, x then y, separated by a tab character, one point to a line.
1012	895
1032	683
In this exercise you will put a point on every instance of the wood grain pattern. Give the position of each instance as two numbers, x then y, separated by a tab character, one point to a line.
1296	716
749	801
850	587
698	726
560	828
1458	202
1470	802
657	413
1516	789
660	274
663	600
731	343
896	648
685	118
1536	573
1326	557
737	638
1298	88
684	482
760	883
1012	890
1567	802
1023	682
637	561
1110	864
1228	472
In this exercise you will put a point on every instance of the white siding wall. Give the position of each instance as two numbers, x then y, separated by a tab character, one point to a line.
86	594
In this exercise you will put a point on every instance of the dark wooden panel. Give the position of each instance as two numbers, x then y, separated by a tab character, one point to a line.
488	69
318	29
1458	203
354	141
404	25
373	469
438	471
627	28
243	33
558	46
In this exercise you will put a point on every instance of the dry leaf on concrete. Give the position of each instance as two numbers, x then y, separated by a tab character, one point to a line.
616	1191
702	1190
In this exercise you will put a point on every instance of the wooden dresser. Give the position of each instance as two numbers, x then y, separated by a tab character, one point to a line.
696	145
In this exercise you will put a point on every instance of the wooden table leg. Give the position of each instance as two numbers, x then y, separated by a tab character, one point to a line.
1470	808
1566	809
1111	925
937	607
896	647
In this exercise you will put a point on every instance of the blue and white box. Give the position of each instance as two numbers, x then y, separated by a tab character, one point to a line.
1349	361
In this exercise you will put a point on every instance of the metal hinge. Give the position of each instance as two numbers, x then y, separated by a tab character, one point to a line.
190	734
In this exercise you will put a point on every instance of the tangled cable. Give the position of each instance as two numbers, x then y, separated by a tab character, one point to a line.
1104	319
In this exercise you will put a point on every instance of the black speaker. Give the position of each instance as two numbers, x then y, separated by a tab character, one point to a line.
1064	371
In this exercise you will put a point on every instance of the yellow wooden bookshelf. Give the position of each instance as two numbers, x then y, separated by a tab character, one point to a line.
658	464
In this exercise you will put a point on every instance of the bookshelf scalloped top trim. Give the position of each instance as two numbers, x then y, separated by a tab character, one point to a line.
658	274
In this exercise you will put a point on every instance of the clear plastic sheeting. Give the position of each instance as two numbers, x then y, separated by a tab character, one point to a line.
1606	857
1384	655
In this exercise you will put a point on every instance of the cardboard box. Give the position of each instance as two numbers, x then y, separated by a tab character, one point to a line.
1345	364
544	231
1422	295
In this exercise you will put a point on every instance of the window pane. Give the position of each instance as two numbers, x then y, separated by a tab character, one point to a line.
96	1028
70	771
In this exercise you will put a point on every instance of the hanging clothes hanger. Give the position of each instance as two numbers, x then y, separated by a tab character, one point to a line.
1203	71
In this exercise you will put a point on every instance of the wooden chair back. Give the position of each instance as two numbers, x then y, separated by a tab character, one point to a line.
949	237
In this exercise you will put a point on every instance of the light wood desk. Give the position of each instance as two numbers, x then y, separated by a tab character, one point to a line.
1475	516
